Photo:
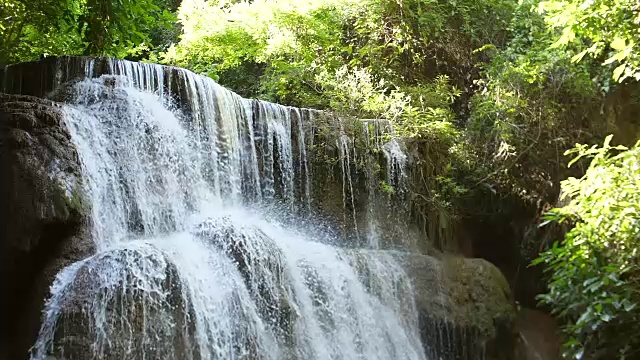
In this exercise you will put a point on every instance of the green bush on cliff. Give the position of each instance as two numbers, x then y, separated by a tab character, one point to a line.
519	98
531	103
595	271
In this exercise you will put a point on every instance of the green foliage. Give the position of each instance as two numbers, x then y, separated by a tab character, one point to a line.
119	28
417	111
595	271
29	29
363	58
523	115
599	28
386	188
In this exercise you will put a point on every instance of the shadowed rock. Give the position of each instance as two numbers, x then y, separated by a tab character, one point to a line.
539	335
43	213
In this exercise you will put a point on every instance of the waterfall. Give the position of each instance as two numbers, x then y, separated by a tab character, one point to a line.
188	184
345	147
396	161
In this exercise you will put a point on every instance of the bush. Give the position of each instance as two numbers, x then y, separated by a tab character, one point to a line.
595	271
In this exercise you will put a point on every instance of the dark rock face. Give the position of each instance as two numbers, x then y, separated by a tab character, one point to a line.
347	186
39	78
465	308
42	209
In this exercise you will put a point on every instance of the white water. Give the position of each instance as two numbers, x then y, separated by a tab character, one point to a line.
188	266
385	190
396	164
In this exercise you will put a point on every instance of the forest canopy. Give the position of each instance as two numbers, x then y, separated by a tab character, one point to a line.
119	28
495	90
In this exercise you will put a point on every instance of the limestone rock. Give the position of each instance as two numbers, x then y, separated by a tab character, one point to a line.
465	307
259	261
124	304
42	209
41	177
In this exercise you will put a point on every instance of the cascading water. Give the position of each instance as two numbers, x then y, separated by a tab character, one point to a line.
396	164
345	145
385	190
190	263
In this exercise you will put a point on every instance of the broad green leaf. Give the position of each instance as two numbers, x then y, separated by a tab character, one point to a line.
579	56
619	44
617	73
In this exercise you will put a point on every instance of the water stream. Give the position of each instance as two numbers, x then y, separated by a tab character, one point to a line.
202	250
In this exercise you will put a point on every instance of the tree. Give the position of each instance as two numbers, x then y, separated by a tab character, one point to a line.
29	29
600	28
119	28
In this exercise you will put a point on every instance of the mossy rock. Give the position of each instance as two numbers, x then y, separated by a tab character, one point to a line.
465	307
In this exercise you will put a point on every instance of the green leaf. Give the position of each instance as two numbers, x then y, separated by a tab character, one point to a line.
618	44
579	56
617	73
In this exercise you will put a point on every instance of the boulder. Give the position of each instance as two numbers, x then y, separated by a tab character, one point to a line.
262	266
465	307
120	304
43	212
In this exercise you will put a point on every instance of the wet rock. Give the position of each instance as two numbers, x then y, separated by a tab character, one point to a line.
359	191
122	304
43	212
540	337
465	307
41	177
39	78
262	266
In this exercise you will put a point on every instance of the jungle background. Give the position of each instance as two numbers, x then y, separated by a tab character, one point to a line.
497	93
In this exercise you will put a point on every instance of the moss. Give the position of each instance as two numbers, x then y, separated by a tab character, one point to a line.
76	201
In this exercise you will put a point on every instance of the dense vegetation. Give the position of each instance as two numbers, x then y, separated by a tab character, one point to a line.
30	29
492	91
595	270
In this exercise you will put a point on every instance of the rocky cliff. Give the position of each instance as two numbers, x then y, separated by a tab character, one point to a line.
43	213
